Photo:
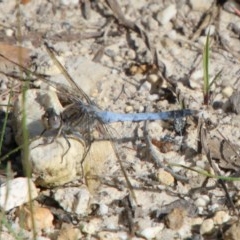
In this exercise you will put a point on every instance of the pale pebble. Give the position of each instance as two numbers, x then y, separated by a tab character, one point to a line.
67	231
175	219
202	5
128	109
146	86
214	207
167	14
233	233
117	58
151	24
103	209
9	32
151	232
210	30
207	226
153	97
15	192
75	200
165	177
68	2
105	235
130	54
221	217
202	201
43	218
227	91
91	227
153	78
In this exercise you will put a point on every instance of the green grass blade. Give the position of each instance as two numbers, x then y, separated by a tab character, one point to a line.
206	85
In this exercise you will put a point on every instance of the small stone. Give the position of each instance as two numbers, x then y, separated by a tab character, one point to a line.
153	78
69	232
146	86
103	209
165	177
210	30
202	201
151	232
227	91
174	220
130	54
128	109
15	192
153	97
42	217
202	40
151	24
9	32
221	217
202	5
207	226
75	200
68	2
105	235
89	228
117	58
233	233
167	14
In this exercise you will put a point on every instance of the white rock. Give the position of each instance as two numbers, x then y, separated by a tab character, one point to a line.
128	108
103	209
130	54
167	14
210	30
151	232
151	24
202	201
9	32
146	86
15	192
50	166
206	226
153	97
154	78
214	207
165	177
89	228
202	5
196	78
81	201
74	200
227	91
68	2
105	235
233	233
221	217
202	40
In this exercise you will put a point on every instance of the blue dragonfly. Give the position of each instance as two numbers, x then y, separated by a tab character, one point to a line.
83	114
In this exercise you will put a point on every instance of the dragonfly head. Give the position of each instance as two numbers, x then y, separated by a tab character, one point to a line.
51	119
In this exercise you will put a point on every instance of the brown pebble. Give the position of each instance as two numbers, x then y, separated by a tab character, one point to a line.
174	220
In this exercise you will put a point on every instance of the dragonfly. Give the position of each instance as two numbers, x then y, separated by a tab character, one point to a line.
83	114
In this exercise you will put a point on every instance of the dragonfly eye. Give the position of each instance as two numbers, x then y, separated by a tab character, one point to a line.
51	119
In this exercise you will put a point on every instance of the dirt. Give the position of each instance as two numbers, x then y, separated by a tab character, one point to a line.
134	57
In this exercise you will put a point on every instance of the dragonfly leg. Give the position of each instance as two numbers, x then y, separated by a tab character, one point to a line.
69	146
